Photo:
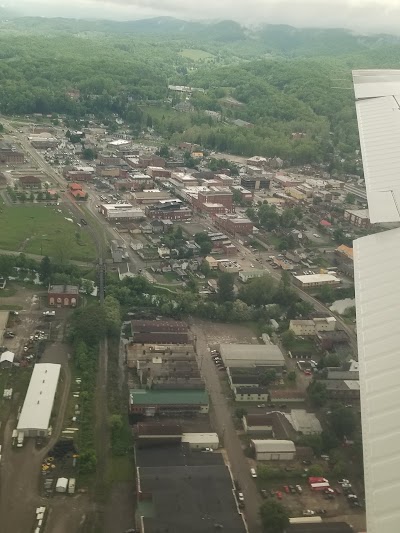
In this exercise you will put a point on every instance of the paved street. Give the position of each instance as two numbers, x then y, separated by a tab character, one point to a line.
221	418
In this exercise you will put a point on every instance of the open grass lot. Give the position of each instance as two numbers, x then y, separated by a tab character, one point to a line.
44	231
196	55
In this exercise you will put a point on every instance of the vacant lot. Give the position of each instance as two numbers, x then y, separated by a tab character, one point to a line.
44	231
196	54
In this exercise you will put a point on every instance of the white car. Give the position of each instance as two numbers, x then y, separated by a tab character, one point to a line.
253	472
308	512
240	496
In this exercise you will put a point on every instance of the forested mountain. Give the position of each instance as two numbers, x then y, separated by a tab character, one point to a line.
274	90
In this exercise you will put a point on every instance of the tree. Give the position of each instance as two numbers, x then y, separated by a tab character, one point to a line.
326	294
205	268
317	393
163	151
89	154
258	291
87	286
350	198
87	461
225	288
343	421
288	338
316	470
268	377
240	412
292	376
45	270
274	517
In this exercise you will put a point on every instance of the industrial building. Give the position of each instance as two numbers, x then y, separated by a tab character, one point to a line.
357	217
34	420
198	441
273	450
179	402
316	280
313	326
121	212
304	423
252	355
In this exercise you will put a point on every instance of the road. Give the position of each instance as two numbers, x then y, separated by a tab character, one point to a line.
221	417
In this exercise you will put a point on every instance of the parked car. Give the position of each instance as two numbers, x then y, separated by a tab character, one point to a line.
279	494
292	489
260	405
240	496
299	489
308	512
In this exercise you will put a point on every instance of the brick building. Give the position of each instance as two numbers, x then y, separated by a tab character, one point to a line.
151	161
30	182
63	296
234	225
78	175
357	217
9	154
158	172
223	197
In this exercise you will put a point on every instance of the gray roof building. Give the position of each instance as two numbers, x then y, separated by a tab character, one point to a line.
251	355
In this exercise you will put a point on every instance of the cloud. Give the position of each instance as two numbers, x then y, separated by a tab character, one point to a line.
380	15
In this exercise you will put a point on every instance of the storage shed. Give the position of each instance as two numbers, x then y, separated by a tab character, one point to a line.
274	450
197	441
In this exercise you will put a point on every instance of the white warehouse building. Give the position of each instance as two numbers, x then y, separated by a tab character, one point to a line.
121	212
35	415
274	450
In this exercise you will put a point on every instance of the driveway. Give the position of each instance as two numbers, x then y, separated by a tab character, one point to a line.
221	417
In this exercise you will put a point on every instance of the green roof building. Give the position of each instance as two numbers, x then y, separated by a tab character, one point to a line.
150	402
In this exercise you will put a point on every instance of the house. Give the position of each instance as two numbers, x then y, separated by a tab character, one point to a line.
30	182
125	272
118	251
304	423
252	393
312	327
172	403
273	450
63	296
7	359
211	262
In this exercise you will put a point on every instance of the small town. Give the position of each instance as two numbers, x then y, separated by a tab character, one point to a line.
198	267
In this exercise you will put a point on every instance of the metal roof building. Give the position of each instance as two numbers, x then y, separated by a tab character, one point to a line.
251	355
35	415
377	263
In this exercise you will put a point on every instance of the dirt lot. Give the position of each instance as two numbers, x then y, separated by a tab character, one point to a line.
218	333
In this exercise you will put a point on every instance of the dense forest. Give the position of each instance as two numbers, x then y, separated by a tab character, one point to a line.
282	81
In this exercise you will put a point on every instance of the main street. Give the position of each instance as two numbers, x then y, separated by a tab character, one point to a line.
221	417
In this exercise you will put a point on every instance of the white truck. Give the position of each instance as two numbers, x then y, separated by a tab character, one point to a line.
20	439
49	313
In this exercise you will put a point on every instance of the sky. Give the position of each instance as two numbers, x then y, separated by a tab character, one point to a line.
360	15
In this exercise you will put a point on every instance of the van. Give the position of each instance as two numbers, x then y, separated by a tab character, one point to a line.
253	472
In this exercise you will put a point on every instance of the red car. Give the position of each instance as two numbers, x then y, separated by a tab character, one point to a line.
307	372
286	489
279	495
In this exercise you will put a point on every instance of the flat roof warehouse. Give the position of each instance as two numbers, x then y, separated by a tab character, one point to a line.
36	412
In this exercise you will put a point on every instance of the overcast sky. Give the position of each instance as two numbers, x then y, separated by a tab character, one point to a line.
362	15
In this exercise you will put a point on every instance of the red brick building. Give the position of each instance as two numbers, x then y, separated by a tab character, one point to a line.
63	296
234	225
9	154
213	209
158	172
215	197
151	161
30	182
78	175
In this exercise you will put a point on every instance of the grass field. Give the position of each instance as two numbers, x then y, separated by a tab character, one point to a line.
43	231
196	55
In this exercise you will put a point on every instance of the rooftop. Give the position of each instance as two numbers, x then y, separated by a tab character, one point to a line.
261	353
38	404
345	250
147	326
304	422
323	527
63	289
317	278
273	445
361	213
168	397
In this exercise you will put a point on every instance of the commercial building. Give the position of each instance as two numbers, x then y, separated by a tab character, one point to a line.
183	490
246	275
30	182
77	192
9	154
234	224
286	395
316	280
251	393
34	420
344	260
260	425
215	196
78	175
257	161
348	389
313	326
158	172
166	374
304	422
212	262
63	296
43	141
150	197
197	441
172	209
160	332
357	217
121	212
252	355
273	450
178	402
327	340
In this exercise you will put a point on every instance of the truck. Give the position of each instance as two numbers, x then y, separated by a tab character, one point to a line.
20	439
49	313
71	485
